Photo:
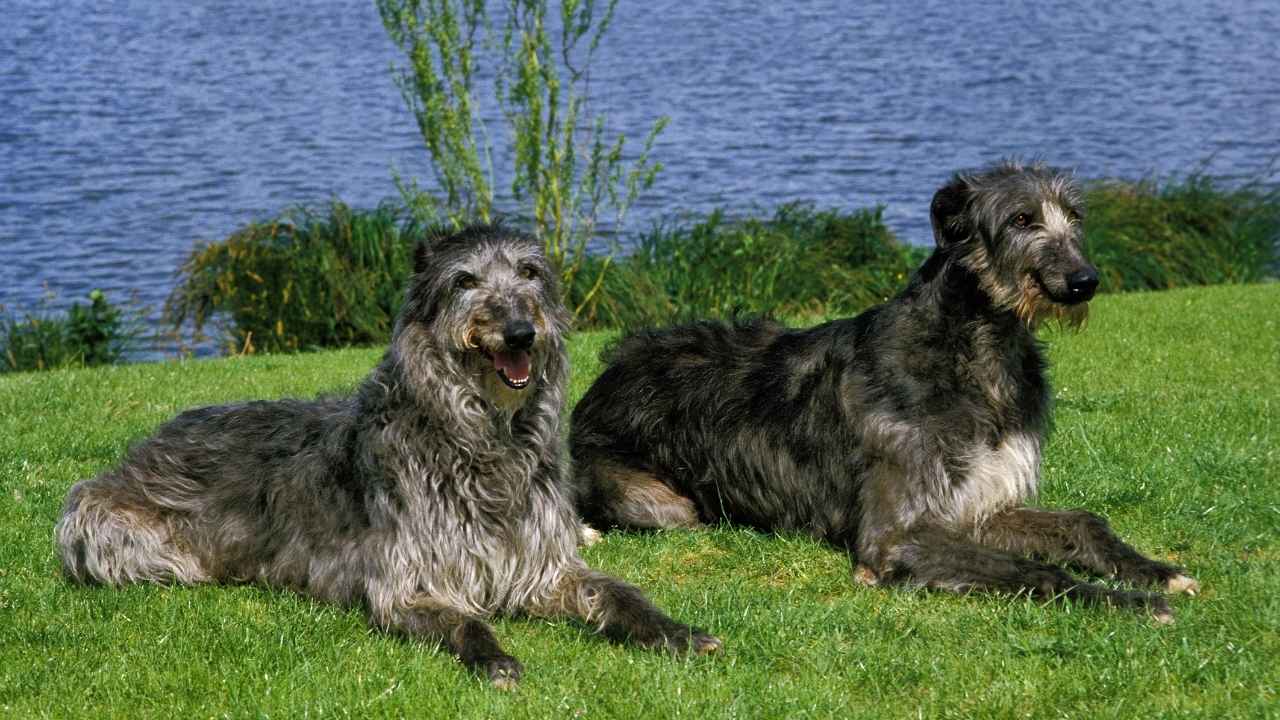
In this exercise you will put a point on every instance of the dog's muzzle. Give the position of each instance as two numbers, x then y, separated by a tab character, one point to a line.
512	362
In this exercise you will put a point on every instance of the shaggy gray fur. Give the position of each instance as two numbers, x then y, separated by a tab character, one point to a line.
433	496
909	435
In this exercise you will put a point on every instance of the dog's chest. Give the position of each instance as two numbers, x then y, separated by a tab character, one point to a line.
986	480
486	549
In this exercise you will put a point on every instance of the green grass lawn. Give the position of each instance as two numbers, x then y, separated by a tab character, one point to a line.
1168	421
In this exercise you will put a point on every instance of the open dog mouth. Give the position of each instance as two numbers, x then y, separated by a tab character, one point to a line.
512	367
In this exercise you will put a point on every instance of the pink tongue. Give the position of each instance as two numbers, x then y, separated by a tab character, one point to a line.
515	365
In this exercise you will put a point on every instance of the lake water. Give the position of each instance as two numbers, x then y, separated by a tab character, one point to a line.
130	130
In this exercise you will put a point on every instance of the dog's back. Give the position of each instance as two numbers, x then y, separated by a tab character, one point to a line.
774	428
200	499
728	415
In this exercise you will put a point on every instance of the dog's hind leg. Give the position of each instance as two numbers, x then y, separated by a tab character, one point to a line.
622	613
1083	539
466	636
109	535
614	494
939	559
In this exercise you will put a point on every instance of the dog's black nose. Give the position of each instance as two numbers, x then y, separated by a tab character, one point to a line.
1082	284
518	334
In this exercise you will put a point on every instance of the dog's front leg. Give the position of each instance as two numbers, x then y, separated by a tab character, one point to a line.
1083	539
936	558
621	612
900	542
466	636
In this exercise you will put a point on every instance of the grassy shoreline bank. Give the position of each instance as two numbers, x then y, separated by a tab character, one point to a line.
1168	421
333	277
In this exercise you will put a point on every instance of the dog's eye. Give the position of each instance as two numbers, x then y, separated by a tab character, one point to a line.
1022	219
1075	216
528	272
465	281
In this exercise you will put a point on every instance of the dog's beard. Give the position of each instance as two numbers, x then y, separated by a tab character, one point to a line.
1028	300
1033	306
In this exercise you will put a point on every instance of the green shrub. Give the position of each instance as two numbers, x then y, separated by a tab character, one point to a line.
1147	236
99	333
305	280
801	261
310	280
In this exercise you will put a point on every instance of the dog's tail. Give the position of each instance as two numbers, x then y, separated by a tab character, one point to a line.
103	537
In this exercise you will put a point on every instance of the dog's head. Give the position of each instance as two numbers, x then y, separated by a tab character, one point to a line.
1018	228
489	300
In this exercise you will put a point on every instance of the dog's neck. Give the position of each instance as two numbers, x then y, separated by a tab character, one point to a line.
996	352
454	429
956	297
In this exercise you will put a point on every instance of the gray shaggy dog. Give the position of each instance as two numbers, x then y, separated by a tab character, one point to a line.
909	436
433	496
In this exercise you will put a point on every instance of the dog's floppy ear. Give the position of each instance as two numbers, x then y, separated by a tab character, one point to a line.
447	239
430	246
946	212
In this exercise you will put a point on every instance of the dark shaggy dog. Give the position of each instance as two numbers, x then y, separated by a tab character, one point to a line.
434	496
909	435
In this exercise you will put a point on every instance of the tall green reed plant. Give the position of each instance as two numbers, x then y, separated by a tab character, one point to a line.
567	176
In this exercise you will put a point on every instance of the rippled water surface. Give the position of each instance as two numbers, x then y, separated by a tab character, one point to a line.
130	130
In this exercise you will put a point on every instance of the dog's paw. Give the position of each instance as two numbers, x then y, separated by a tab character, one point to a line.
1160	610
504	672
1182	584
694	641
587	535
679	640
864	575
704	644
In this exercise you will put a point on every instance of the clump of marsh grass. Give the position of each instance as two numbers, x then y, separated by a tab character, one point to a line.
801	261
86	335
1148	236
308	279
